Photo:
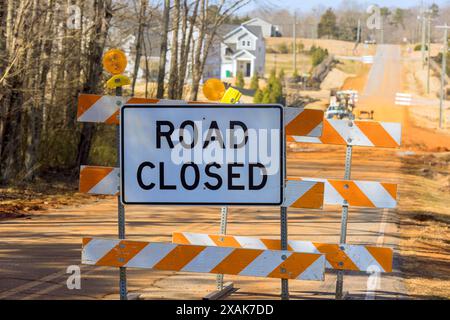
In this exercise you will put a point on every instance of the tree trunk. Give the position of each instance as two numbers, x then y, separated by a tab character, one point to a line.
163	52
102	18
186	48
196	75
139	40
173	77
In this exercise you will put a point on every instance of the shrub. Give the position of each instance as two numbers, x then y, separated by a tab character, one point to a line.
281	75
259	95
266	96
418	47
273	93
254	84
240	83
300	47
283	48
318	55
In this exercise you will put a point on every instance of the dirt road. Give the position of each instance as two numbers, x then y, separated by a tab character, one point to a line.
35	253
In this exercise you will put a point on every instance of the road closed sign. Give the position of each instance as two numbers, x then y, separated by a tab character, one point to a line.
202	154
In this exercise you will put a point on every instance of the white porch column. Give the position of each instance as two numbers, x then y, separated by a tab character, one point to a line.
252	67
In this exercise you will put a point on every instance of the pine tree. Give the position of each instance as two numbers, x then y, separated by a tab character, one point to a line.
266	96
240	80
281	75
327	26
254	84
259	95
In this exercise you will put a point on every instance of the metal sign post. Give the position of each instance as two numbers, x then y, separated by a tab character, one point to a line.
223	231
284	246
284	232
344	221
121	214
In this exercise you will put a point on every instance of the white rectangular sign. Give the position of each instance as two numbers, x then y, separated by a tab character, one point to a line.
202	154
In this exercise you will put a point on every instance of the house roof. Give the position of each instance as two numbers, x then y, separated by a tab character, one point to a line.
256	19
255	30
244	51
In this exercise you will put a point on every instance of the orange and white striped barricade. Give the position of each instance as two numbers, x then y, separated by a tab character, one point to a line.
99	180
366	194
338	257
304	194
105	109
203	259
362	194
356	133
298	194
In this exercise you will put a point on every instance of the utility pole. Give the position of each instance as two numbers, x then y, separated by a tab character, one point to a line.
294	47
422	48
443	74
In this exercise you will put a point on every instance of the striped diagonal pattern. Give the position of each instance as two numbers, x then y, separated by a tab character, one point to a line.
203	259
99	180
366	194
356	133
303	122
403	99
339	257
105	109
304	194
298	194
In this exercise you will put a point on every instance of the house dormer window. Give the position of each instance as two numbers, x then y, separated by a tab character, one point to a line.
246	43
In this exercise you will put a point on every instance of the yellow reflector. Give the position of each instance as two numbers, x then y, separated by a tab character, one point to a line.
115	61
213	89
231	96
118	81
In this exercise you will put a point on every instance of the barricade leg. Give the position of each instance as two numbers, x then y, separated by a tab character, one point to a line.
344	222
121	217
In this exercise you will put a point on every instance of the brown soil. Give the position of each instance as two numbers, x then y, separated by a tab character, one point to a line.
23	200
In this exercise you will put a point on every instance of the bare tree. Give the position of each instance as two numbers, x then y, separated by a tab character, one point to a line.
163	51
102	17
185	47
212	18
173	76
139	40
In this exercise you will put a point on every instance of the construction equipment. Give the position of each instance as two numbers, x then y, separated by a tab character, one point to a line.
342	104
366	115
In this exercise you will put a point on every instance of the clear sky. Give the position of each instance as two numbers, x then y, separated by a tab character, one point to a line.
306	5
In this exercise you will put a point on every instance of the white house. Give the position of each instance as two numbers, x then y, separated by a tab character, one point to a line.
242	50
268	29
235	49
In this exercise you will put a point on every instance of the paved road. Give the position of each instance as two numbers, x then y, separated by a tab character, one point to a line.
35	253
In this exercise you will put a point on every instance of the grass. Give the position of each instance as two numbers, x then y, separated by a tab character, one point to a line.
285	61
424	226
349	66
